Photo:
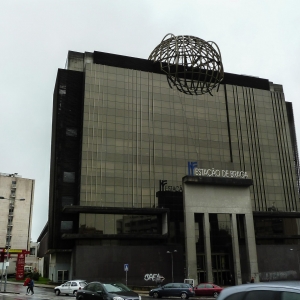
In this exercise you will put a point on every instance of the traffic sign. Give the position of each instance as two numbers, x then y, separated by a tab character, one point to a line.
126	267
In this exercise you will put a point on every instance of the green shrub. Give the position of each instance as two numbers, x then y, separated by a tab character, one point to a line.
35	276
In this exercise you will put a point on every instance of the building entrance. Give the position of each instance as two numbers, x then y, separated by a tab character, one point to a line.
221	269
62	276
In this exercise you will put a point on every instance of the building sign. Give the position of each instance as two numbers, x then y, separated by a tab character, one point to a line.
220	173
193	170
20	266
163	187
14	251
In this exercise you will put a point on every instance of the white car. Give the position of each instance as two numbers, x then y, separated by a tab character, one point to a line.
70	287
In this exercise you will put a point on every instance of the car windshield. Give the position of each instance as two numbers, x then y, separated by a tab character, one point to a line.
82	283
116	287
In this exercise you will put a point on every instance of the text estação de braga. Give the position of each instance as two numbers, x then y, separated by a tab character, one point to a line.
220	173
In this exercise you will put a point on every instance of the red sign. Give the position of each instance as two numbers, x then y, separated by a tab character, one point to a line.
3	257
20	266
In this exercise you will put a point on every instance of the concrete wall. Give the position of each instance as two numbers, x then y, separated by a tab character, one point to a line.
278	263
218	196
106	263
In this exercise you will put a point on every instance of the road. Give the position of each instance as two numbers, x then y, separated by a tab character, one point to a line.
18	292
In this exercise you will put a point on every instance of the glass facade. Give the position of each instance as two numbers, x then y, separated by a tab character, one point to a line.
137	131
123	140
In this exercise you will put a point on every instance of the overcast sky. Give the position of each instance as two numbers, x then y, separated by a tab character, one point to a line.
256	37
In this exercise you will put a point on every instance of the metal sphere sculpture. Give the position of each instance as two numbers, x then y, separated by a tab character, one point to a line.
191	64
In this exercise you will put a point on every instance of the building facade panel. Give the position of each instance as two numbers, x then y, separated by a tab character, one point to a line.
123	139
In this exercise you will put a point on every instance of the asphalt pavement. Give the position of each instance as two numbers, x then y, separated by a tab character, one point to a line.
16	290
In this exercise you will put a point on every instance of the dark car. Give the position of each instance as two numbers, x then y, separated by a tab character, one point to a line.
99	290
182	290
207	289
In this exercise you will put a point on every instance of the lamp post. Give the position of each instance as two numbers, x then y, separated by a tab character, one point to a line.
297	251
8	237
171	252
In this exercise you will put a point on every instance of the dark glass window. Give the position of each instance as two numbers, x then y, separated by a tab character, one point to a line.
266	295
66	226
67	200
69	177
71	132
290	296
237	296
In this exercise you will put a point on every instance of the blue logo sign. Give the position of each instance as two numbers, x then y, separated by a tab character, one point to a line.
191	166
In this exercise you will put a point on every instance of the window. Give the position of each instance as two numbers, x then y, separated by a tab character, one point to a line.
71	132
66	226
32	251
266	295
69	177
67	200
237	296
290	296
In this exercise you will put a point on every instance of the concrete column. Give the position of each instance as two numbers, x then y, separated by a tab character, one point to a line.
190	246
236	251
207	248
251	247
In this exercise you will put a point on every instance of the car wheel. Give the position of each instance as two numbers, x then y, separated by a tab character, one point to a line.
184	296
216	294
75	293
57	292
155	295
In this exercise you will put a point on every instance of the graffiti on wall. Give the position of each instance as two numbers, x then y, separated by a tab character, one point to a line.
273	276
154	277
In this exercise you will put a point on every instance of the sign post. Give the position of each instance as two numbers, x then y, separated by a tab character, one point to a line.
126	268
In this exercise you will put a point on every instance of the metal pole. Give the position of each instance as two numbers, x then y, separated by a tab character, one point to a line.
172	267
2	273
8	244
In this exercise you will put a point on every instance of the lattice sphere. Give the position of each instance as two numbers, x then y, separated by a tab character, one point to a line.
191	64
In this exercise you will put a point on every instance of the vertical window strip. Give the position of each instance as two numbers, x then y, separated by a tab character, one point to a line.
258	151
295	164
238	124
228	123
282	144
287	156
251	141
276	110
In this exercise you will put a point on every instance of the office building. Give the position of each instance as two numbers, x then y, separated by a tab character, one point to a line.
139	170
16	206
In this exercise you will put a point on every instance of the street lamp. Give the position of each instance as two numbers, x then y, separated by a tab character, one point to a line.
171	252
297	251
8	237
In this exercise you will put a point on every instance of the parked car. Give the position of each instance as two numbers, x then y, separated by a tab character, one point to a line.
182	290
207	289
70	287
279	290
99	290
